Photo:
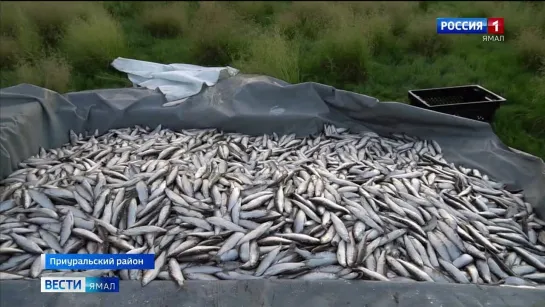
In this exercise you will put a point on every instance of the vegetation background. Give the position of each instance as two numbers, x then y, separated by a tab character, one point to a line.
382	49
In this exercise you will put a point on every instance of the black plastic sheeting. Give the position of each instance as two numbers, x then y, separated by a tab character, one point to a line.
285	293
32	117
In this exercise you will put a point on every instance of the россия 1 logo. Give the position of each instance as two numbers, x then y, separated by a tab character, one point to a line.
491	28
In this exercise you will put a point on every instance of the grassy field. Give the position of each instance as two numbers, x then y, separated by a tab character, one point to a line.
381	49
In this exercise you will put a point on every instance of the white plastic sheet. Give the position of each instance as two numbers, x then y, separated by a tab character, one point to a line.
176	81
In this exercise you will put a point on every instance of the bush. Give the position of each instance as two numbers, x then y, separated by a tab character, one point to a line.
49	72
20	39
400	13
271	54
341	58
421	38
124	8
259	12
378	32
166	20
309	19
530	46
536	119
217	34
8	51
94	43
52	17
27	72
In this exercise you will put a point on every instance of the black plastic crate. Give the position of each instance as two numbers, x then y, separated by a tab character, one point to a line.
469	101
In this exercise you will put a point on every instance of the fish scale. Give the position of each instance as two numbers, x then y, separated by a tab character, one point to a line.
214	205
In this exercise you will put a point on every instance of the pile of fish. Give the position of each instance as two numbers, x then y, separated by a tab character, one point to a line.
213	206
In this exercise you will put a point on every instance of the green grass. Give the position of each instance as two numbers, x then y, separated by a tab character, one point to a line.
382	49
166	20
49	71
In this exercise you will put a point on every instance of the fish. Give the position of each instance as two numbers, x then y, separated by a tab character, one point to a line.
215	205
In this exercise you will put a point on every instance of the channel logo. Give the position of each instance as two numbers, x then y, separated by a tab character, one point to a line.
491	26
80	284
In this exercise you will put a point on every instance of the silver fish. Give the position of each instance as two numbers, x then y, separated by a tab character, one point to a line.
226	206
